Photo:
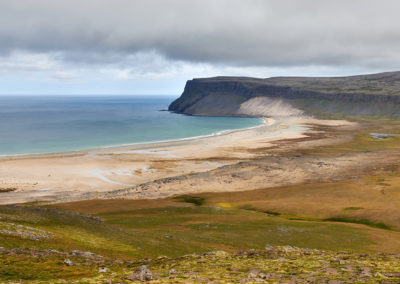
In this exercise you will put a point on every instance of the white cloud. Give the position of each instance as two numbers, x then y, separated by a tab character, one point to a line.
21	61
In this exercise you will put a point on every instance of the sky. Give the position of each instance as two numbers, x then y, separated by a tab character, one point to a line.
154	46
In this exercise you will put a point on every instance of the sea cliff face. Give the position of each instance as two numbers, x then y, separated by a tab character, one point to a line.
377	94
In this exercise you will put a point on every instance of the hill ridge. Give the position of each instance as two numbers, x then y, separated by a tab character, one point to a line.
370	94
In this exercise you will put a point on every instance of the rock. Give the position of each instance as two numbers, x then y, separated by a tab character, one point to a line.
289	248
85	254
252	252
88	254
330	270
217	254
380	275
274	96
253	273
221	254
141	274
268	247
392	274
103	269
348	268
335	282
68	262
262	276
366	272
172	271
335	260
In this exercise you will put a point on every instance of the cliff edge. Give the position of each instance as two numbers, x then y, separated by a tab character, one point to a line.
374	94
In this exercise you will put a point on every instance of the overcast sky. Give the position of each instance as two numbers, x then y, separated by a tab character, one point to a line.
154	46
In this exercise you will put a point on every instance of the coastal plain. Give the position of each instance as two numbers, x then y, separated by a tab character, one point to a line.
76	175
297	199
336	219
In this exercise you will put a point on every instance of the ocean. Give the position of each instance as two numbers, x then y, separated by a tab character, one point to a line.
48	124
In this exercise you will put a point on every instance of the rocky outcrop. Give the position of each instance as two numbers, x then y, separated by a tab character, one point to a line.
377	94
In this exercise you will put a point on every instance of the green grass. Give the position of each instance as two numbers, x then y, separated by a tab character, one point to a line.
352	208
217	228
359	221
26	267
198	201
174	231
250	207
363	142
273	213
151	232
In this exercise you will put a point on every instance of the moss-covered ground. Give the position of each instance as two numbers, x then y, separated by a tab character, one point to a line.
124	239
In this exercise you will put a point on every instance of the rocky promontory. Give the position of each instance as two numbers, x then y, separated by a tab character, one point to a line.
375	94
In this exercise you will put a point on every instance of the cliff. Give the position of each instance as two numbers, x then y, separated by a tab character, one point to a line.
375	94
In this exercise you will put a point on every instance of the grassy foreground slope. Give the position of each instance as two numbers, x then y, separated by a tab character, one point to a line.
46	244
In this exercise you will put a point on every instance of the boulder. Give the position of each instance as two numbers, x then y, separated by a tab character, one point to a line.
103	269
68	262
141	274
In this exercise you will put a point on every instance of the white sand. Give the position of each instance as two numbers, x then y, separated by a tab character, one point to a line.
114	168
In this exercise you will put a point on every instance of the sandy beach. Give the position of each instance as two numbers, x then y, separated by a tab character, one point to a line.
70	175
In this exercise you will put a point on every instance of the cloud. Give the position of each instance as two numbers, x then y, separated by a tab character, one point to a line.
241	33
96	40
19	61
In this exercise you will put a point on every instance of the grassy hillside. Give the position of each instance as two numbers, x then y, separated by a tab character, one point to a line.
38	241
121	235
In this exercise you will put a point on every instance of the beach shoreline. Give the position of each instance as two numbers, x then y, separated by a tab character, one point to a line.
266	122
68	175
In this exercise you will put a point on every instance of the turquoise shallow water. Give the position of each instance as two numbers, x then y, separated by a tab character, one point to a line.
46	124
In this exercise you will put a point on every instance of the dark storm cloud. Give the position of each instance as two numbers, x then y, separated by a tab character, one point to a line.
237	33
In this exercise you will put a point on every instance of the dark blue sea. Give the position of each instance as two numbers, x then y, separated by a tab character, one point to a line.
47	124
